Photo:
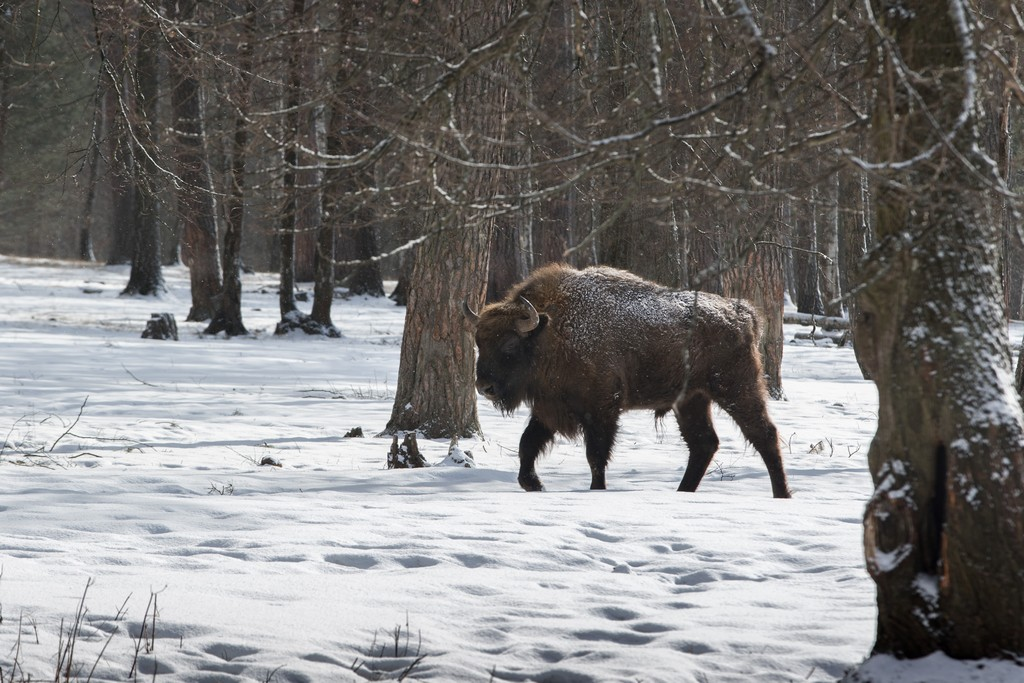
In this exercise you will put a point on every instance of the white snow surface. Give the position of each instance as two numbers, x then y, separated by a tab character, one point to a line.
331	568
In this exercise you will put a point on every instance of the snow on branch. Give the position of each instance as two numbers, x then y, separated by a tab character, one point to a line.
397	250
754	36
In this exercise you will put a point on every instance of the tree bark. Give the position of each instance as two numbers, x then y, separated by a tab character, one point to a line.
86	251
805	260
828	245
319	231
291	317
435	393
943	529
365	278
6	29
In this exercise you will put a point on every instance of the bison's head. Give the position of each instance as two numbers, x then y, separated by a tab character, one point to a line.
506	337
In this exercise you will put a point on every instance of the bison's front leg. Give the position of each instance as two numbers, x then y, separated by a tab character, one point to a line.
599	435
534	440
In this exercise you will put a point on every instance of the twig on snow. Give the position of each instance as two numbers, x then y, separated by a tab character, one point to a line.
81	409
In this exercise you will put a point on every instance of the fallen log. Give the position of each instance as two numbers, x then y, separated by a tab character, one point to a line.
837	338
822	322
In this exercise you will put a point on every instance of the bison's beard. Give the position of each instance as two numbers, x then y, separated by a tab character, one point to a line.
507	405
508	399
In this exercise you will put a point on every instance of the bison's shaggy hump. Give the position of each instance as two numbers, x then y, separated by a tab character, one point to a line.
598	302
580	346
609	320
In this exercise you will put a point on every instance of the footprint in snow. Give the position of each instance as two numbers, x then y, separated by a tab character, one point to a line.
352	561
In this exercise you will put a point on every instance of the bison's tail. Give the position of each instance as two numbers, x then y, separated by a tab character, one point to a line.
746	311
755	324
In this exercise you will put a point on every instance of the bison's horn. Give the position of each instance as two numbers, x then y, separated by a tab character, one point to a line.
531	323
470	314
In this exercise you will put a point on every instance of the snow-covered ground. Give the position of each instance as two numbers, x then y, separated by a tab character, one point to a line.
131	492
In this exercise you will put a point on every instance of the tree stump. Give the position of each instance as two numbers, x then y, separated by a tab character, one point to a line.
407	455
161	326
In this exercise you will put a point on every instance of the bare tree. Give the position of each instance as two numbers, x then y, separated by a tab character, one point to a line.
228	315
943	529
306	239
196	205
146	277
436	374
112	34
348	208
6	27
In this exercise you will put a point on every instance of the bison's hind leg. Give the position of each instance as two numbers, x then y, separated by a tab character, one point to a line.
599	435
694	417
750	411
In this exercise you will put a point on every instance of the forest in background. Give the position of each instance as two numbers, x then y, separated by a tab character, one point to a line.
660	137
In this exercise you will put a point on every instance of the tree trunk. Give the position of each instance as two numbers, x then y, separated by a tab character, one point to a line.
362	244
200	250
6	29
122	190
853	238
435	392
116	139
323	284
286	232
228	317
943	530
319	230
828	245
352	211
291	317
146	278
307	241
436	378
505	263
761	280
805	259
85	241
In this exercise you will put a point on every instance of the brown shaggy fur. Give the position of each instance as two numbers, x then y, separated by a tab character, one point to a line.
607	341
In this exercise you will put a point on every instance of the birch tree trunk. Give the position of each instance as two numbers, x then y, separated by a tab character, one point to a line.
943	531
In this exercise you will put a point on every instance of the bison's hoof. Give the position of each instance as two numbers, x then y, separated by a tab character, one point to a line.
531	483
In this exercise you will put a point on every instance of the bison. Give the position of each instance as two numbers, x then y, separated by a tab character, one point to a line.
579	347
